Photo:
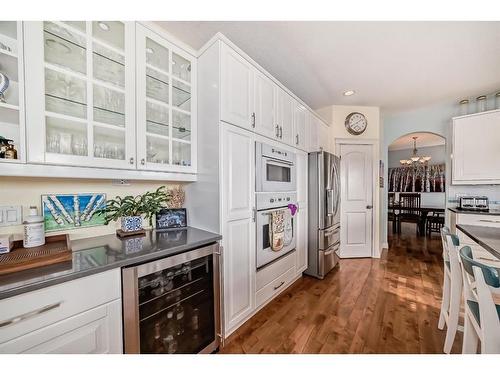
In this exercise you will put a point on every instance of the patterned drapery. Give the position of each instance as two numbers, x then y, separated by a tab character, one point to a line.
418	178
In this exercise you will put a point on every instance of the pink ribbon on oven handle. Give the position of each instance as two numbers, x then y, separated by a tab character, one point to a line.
293	208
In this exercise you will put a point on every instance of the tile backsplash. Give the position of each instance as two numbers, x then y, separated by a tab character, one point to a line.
27	192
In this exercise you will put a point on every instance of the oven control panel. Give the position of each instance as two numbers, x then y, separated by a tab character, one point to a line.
271	200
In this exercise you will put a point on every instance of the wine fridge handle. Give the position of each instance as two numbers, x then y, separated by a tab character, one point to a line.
219	292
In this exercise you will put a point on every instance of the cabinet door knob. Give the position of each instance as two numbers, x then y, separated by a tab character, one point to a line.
277	131
143	161
131	160
296	139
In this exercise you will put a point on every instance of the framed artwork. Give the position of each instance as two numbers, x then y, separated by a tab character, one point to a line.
71	211
168	218
418	179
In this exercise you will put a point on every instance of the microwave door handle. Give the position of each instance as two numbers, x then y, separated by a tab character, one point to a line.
278	161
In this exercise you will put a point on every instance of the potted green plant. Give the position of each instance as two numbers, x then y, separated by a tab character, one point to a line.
130	210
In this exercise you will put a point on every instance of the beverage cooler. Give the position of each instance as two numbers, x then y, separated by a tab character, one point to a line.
171	305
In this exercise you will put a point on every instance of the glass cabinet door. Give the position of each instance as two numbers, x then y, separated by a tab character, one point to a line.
165	105
88	92
12	128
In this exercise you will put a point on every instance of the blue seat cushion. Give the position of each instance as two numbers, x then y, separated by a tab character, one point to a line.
474	308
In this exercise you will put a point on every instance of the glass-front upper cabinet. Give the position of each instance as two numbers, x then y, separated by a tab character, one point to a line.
80	91
12	130
166	104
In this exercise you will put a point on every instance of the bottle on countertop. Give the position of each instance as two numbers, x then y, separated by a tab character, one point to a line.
34	231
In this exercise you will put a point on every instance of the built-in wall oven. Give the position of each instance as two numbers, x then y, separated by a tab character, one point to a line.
171	305
267	203
275	169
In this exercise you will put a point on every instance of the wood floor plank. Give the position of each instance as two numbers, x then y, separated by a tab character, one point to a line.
386	305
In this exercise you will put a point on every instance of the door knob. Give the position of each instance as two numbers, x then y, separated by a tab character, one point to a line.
369	207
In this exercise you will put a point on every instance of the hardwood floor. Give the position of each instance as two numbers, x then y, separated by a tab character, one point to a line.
387	305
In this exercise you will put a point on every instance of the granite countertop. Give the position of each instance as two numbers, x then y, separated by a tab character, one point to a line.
98	254
487	237
491	211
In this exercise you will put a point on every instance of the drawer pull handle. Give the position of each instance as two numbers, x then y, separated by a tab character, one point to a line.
30	314
279	286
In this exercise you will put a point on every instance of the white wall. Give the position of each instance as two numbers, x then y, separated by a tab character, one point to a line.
336	115
27	192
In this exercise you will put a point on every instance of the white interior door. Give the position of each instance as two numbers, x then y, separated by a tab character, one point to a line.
356	180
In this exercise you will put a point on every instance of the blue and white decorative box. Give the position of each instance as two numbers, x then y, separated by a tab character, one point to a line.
131	223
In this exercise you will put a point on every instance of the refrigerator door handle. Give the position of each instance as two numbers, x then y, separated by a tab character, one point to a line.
330	209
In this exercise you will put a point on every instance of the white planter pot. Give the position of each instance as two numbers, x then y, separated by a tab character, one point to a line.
131	223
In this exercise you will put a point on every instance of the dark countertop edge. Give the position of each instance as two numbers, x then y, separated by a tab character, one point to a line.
476	238
119	264
465	212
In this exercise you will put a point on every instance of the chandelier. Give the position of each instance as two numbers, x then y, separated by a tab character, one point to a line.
415	158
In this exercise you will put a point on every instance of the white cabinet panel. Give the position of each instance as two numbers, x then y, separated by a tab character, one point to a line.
323	136
299	126
238	173
166	105
239	272
301	251
285	115
476	150
302	177
313	133
236	88
96	331
265	108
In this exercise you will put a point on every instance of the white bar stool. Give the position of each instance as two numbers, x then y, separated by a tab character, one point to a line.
482	315
452	288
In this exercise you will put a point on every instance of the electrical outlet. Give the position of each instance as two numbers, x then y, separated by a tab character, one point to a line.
10	215
120	183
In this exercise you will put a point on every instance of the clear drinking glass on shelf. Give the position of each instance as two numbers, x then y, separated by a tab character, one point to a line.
109	106
157	119
157	86
65	94
181	125
181	153
108	66
109	143
481	103
72	136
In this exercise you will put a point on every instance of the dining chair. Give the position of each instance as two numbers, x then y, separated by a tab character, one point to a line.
409	203
482	315
434	223
391	214
452	288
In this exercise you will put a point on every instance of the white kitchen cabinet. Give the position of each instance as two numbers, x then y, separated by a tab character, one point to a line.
238	226
80	93
323	136
285	114
313	133
236	89
476	150
166	104
96	331
12	125
265	106
299	126
62	319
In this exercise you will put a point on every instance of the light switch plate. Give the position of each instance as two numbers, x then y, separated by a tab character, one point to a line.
10	215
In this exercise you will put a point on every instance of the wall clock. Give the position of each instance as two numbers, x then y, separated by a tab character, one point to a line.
356	123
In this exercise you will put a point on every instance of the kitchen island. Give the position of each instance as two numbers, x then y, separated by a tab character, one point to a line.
486	237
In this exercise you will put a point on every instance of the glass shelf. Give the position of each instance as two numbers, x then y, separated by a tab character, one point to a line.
157	86
181	67
109	106
181	95
65	49
108	66
181	125
157	55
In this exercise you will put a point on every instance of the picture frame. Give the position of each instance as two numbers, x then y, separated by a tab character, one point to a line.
171	218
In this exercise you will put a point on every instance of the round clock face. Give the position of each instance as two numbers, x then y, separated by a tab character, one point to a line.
356	123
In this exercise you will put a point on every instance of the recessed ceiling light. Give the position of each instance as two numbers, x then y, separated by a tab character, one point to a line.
150	50
103	26
349	92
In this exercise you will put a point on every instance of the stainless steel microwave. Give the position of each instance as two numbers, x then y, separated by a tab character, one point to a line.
275	169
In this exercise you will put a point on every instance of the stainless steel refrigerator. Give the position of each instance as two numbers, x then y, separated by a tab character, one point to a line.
324	213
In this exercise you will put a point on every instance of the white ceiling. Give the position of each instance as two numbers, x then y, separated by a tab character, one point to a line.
394	65
423	140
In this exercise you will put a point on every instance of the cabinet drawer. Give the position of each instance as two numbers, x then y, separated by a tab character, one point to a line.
269	273
94	331
274	287
28	312
481	220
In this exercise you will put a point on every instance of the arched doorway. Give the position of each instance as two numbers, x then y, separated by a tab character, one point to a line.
416	169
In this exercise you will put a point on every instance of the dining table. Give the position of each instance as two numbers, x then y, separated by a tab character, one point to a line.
423	211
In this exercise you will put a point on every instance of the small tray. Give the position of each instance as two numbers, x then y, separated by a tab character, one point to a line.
120	233
57	249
